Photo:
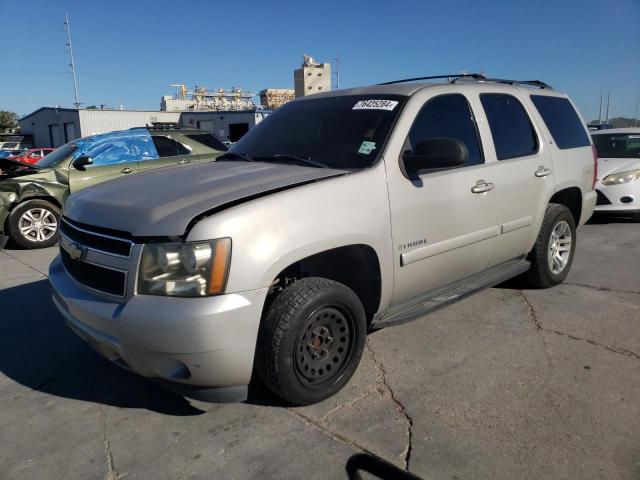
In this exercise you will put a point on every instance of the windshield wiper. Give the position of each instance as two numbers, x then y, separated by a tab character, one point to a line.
295	158
235	156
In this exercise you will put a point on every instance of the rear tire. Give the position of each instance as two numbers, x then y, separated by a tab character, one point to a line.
311	340
34	224
552	254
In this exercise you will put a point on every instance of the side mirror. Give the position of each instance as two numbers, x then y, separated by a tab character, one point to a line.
82	161
436	153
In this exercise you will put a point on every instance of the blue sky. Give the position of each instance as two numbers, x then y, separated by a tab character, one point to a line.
128	52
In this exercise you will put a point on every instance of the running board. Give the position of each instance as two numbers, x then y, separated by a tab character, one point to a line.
418	307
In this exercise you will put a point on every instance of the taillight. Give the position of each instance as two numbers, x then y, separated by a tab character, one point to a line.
595	166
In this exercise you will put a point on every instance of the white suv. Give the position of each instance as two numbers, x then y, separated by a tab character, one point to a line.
341	212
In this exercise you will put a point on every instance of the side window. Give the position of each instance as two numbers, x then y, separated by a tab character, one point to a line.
168	147
562	121
113	152
208	140
448	116
117	148
511	129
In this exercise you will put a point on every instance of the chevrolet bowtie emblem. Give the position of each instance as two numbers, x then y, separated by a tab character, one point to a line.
75	251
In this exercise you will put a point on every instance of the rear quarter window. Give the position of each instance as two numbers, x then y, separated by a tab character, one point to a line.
208	140
562	120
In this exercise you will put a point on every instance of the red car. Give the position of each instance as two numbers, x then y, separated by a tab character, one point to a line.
32	156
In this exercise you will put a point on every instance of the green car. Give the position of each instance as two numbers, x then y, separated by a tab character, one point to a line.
31	196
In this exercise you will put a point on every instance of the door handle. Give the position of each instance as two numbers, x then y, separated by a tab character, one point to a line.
542	171
127	170
183	161
481	187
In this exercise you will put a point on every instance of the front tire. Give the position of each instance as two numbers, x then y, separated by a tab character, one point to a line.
311	340
552	254
34	224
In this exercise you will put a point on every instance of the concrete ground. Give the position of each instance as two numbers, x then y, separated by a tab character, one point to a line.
509	383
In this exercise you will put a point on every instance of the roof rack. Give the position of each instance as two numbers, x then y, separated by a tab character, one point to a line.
164	126
531	83
472	76
476	76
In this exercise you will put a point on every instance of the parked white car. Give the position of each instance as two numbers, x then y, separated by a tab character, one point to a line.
618	185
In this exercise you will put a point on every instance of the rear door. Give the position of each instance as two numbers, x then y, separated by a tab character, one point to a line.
444	227
170	152
206	146
524	171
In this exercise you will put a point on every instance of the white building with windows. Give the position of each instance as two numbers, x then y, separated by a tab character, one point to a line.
312	77
52	127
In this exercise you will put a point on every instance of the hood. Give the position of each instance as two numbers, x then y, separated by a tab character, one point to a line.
163	202
15	168
607	166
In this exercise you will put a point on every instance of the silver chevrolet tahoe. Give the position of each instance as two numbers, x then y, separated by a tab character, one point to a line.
341	213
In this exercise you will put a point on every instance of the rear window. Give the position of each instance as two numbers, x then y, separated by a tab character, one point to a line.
511	129
208	140
562	121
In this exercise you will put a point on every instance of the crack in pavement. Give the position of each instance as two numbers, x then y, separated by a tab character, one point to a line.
602	289
380	386
112	473
324	428
372	389
536	321
532	312
399	406
42	274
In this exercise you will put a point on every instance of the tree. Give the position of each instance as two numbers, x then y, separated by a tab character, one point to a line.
8	121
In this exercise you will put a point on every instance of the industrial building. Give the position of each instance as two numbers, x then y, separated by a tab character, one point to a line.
226	126
272	98
200	99
312	77
52	127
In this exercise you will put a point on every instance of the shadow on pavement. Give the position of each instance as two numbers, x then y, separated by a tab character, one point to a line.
39	351
599	219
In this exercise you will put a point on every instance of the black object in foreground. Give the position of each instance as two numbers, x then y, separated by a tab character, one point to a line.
376	466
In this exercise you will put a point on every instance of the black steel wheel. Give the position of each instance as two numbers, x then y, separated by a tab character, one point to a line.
311	340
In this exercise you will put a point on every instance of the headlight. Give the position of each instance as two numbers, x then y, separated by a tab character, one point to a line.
195	269
8	198
624	177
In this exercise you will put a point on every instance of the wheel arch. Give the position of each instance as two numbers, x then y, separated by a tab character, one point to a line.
571	198
355	265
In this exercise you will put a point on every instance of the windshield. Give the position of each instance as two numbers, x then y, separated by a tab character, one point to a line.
343	132
57	156
617	145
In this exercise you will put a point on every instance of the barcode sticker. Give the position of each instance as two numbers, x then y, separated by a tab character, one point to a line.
375	105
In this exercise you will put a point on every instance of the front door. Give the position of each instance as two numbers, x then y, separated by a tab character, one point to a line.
444	222
112	158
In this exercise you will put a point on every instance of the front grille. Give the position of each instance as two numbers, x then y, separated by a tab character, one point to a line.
94	276
602	198
96	241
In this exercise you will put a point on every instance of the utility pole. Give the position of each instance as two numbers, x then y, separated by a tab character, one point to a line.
337	63
73	63
635	124
608	100
600	110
